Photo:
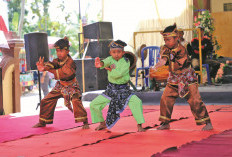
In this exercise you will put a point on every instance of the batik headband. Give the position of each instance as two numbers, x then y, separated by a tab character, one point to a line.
62	44
60	47
170	34
114	45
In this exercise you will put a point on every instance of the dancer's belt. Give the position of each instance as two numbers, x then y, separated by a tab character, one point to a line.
180	71
67	83
119	85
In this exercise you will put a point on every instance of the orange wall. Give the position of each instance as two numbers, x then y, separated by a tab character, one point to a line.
223	32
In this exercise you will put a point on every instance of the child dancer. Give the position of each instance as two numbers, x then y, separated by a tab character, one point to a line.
182	81
64	70
117	93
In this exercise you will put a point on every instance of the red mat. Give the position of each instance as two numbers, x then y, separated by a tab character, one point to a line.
153	141
13	128
214	146
123	140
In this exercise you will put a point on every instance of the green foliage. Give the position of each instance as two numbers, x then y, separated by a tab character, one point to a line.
37	19
15	21
13	15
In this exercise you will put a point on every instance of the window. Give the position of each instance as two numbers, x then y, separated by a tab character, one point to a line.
227	6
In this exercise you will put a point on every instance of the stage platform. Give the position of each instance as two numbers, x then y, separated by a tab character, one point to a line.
211	94
65	138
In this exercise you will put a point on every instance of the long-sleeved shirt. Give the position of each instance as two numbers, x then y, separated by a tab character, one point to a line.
177	58
120	70
62	70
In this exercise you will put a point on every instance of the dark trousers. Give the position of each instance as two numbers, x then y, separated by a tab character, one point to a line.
213	67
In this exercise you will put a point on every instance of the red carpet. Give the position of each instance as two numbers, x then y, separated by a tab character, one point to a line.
124	141
215	146
13	128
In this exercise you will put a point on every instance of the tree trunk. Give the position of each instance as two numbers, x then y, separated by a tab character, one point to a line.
21	18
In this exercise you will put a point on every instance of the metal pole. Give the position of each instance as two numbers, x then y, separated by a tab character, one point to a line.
79	45
39	90
200	54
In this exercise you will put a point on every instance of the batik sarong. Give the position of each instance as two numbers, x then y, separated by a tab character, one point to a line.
119	96
68	92
182	80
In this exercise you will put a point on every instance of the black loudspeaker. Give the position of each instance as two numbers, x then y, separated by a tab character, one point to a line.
36	45
98	49
98	30
95	79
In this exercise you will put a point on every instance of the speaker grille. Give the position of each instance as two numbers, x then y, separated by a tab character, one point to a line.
99	30
36	45
98	49
95	79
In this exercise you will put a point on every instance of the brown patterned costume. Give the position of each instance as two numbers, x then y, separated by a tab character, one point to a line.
66	87
182	82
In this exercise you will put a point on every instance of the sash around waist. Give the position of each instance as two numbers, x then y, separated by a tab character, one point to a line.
67	83
118	85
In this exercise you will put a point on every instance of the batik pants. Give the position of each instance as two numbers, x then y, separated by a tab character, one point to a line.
48	104
197	106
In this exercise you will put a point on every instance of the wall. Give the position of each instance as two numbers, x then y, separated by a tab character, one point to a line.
223	32
218	5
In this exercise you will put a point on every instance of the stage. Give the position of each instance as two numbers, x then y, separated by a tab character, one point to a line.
66	138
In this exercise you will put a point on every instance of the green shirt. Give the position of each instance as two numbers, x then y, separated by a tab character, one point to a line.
119	74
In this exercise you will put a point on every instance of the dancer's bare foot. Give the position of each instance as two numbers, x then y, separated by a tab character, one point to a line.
208	126
164	126
38	125
140	128
85	125
102	126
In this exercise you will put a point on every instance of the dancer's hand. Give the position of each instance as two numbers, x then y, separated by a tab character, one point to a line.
153	68
108	68
98	62
40	64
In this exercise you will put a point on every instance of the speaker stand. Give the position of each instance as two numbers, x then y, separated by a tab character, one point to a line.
143	77
39	90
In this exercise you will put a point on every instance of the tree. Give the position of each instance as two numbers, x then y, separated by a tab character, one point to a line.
42	14
36	19
21	18
13	15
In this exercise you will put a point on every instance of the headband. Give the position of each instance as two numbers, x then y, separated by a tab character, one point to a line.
170	34
114	45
